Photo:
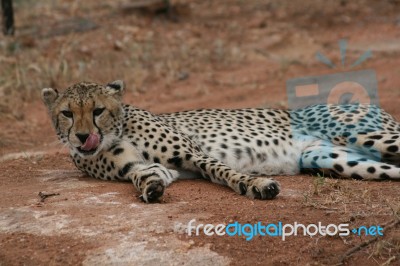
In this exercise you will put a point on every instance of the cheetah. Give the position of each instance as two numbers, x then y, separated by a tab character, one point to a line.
237	148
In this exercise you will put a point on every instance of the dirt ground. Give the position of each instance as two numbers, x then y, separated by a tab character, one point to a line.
202	54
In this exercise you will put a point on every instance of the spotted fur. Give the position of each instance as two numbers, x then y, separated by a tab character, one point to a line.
236	148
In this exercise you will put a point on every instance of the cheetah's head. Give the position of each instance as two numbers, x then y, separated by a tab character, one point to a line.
86	116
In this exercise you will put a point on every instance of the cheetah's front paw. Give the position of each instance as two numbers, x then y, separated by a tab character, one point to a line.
153	191
260	188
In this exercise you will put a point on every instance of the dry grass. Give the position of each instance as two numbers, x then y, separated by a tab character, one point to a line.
355	204
50	51
58	43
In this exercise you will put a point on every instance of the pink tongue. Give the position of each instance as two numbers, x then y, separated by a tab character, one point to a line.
91	142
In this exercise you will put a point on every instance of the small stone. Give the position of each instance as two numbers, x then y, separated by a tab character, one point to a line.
183	75
118	45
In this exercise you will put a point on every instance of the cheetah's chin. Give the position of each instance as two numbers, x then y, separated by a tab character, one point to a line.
87	152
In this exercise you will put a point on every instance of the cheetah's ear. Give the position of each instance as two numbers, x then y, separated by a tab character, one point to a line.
49	96
115	88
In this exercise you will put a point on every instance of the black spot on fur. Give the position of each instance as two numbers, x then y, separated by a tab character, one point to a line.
177	161
384	176
352	140
203	166
393	148
333	155
238	153
127	167
371	170
356	176
346	134
369	143
145	155
314	164
390	141
352	163
338	168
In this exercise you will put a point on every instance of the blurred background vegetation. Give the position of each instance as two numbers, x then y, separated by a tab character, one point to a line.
154	46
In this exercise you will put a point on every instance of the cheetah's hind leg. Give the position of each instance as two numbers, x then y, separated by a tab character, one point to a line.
340	161
383	145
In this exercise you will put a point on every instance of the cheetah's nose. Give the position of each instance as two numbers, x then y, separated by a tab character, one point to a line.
82	137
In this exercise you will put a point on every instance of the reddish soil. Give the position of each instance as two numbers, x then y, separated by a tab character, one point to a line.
218	54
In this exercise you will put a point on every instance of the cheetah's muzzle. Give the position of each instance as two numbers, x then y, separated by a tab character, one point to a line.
90	144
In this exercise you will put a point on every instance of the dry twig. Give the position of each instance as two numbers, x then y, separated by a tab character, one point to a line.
44	195
366	243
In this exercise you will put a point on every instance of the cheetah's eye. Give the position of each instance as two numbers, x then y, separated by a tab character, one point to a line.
67	114
98	111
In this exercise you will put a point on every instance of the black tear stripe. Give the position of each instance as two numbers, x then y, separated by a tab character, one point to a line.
127	167
73	121
94	123
69	129
112	115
